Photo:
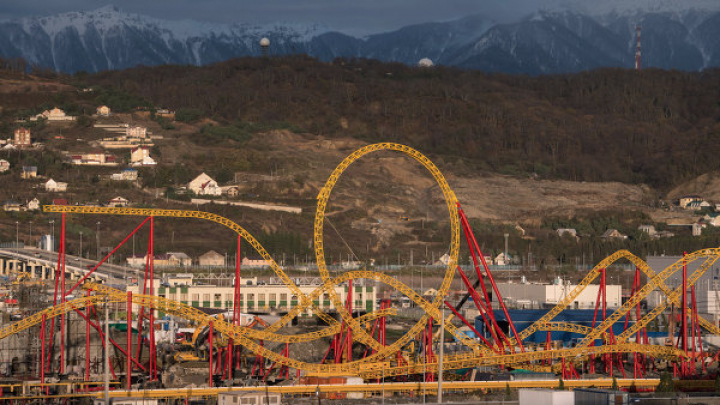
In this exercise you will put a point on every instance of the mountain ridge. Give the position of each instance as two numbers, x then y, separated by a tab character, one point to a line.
545	42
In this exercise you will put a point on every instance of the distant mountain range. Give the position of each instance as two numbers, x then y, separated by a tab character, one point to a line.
547	42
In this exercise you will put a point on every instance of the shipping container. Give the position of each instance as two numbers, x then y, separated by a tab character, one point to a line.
537	396
127	401
249	398
597	396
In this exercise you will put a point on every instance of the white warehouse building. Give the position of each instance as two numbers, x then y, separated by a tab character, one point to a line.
707	287
532	296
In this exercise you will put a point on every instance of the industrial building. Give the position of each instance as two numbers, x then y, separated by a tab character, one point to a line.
537	296
254	297
707	287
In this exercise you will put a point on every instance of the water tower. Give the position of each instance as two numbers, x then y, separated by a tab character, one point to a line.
265	44
425	62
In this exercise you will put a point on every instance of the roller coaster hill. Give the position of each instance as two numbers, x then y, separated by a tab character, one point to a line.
608	342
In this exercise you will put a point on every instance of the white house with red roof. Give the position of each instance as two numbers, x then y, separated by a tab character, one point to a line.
204	185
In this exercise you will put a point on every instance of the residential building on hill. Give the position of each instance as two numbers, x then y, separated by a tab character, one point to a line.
55	114
22	138
136	132
125	175
103	110
118	202
33	205
258	262
211	259
204	185
140	156
29	172
613	234
55	186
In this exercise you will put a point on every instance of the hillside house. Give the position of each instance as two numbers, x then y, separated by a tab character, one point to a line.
29	172
698	205
211	259
11	206
566	231
118	202
697	229
165	114
169	259
55	114
502	260
176	259
4	165
685	200
255	262
140	156
204	185
125	175
9	146
60	201
712	219
136	132
55	186
93	159
21	138
232	191
103	111
146	161
33	205
135	261
648	229
611	234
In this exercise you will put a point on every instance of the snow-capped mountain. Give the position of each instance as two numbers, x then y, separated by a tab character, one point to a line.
555	40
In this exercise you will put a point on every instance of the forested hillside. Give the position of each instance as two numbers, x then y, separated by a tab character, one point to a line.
655	127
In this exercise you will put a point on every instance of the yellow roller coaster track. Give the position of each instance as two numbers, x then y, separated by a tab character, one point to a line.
382	359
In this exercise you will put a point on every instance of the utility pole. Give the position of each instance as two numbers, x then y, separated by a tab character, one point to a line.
97	241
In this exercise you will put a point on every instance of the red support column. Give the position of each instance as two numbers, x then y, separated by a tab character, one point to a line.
237	310
464	220
153	353
489	320
87	342
83	278
468	324
683	327
128	369
210	355
684	306
62	296
348	344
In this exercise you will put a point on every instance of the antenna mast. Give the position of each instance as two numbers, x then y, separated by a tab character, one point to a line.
638	59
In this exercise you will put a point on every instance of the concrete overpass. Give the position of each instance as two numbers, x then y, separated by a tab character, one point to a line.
41	264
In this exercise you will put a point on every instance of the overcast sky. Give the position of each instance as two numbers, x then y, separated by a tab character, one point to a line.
351	16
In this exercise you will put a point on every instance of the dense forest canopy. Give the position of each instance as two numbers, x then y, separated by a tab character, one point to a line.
655	127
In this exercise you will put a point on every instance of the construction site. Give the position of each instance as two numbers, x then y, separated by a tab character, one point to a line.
80	333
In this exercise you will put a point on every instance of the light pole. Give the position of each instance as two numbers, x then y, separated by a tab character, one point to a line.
81	252
17	240
30	233
97	241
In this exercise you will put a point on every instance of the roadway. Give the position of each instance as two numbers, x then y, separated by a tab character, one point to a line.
111	273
